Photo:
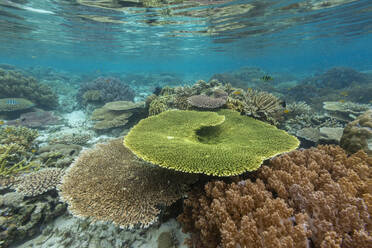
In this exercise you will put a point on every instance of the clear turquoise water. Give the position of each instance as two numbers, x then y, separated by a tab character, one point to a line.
198	36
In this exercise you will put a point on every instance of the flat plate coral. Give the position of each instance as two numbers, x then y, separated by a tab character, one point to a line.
220	143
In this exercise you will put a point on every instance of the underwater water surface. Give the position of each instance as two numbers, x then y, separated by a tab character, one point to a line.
185	123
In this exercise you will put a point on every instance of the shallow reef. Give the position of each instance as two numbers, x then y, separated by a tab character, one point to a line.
15	84
317	197
103	90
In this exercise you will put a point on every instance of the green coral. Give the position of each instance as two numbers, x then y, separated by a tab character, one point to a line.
22	136
7	167
220	144
15	84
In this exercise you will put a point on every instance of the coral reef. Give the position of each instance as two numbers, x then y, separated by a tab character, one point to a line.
296	109
338	78
58	155
206	102
13	160
36	119
22	218
345	111
14	104
14	84
221	144
17	150
39	182
103	90
357	134
310	120
263	106
318	197
109	183
18	135
70	138
115	114
337	84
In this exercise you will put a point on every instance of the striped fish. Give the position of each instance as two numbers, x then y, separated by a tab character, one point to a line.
11	102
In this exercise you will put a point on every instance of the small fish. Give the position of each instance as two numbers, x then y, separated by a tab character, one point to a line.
267	78
344	93
33	56
108	80
286	111
341	101
11	102
157	90
33	150
2	122
237	92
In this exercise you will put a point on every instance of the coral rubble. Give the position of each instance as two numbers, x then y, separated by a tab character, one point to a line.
317	197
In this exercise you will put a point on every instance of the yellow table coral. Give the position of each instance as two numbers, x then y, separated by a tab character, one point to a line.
222	143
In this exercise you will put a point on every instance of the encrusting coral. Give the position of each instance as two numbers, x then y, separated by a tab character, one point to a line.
222	143
115	114
357	134
15	84
110	183
317	197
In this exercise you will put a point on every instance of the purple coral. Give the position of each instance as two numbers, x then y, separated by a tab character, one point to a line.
110	89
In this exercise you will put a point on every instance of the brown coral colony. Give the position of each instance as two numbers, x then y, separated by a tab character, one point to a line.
317	197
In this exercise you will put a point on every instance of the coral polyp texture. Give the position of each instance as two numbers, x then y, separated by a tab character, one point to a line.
15	84
319	197
109	183
220	143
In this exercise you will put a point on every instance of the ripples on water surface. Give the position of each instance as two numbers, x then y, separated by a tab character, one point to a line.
134	26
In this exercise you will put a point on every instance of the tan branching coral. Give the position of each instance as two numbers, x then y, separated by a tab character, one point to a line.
262	105
39	182
317	197
109	183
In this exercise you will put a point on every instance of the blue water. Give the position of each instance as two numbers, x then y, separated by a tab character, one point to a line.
193	39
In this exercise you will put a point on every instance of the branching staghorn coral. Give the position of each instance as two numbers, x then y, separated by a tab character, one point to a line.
110	183
317	197
22	136
263	106
9	154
